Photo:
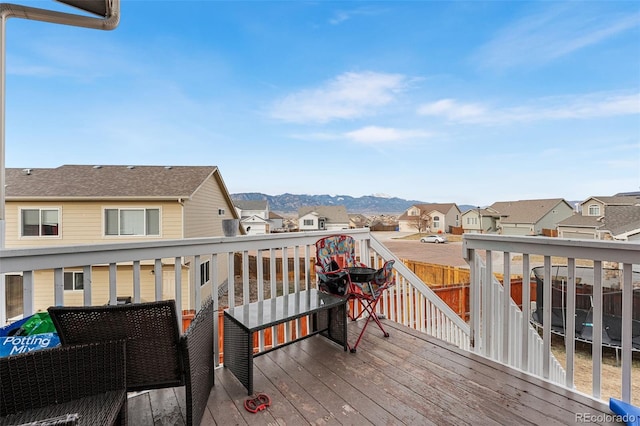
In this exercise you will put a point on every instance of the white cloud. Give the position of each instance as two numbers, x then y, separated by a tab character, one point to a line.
556	32
452	110
350	95
344	15
377	135
596	105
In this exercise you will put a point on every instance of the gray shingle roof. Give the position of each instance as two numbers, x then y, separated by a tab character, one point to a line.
580	221
621	219
333	214
251	204
525	211
75	181
616	200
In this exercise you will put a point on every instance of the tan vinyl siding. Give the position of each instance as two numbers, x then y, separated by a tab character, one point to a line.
201	211
83	222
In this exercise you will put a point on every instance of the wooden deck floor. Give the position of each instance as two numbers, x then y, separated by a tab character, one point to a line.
407	379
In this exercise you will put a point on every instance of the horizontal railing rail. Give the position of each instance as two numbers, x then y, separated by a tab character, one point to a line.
498	327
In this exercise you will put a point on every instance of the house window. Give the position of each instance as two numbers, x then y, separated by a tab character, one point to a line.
14	295
594	210
204	272
73	281
220	212
436	222
40	222
138	222
308	222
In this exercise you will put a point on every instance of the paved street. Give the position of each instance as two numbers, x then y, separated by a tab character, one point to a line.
442	254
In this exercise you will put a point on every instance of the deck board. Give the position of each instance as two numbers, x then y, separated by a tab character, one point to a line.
408	378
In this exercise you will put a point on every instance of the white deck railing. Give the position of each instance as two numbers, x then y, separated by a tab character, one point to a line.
497	326
410	302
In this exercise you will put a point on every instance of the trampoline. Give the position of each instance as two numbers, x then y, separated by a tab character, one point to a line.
611	304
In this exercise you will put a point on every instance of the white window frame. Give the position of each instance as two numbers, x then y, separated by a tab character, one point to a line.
205	271
308	222
595	208
436	222
145	211
73	280
40	210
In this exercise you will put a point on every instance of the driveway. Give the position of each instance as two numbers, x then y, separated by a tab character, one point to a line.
442	254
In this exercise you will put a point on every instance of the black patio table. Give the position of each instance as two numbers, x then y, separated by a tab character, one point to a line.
328	317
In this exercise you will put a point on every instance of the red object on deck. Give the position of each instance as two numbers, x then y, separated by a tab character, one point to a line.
260	402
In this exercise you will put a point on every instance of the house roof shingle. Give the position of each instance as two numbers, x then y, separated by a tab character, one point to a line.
86	181
251	204
333	214
525	211
428	208
625	200
580	221
622	219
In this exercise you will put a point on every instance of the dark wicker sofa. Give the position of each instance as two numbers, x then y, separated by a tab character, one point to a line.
79	384
156	355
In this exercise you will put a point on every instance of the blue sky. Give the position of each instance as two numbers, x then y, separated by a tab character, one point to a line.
447	101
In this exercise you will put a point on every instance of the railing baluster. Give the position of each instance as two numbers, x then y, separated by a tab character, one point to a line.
113	294
27	293
506	301
526	311
596	352
627	315
158	280
231	280
87	285
177	276
570	318
136	282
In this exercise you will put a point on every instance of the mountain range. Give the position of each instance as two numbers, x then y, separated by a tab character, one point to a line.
368	204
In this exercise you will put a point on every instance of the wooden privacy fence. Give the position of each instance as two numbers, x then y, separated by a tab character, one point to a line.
435	275
451	284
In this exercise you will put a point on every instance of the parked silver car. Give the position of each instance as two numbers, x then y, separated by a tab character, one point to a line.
437	239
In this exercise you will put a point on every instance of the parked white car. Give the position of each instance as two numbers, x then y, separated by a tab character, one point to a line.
437	239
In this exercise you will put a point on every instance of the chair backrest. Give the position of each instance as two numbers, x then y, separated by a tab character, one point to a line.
197	355
384	276
150	330
339	248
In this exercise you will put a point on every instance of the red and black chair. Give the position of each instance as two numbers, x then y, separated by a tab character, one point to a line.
339	272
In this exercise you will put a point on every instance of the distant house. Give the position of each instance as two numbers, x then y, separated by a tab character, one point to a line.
480	221
254	216
358	220
616	217
430	218
530	217
84	204
313	218
276	222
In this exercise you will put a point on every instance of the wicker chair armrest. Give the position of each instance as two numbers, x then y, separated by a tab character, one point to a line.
61	374
64	420
197	355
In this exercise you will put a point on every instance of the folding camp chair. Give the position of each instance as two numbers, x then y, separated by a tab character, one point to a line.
368	294
335	267
333	255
